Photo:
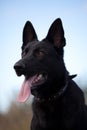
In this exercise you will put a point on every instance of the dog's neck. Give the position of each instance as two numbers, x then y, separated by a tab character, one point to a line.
55	96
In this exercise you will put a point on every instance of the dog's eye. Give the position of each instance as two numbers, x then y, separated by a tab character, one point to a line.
39	53
25	52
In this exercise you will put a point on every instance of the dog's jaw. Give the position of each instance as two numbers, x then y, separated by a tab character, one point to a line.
31	83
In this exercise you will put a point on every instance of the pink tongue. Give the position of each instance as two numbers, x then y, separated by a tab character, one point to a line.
25	90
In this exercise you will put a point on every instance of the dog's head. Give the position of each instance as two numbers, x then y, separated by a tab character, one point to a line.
42	62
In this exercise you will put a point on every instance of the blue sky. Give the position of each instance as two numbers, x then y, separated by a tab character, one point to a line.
14	14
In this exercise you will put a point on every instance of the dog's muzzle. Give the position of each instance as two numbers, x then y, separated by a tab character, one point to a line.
19	68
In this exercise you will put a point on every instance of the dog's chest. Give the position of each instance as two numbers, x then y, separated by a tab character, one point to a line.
47	114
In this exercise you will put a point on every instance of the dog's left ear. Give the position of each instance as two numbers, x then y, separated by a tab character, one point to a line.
29	34
56	34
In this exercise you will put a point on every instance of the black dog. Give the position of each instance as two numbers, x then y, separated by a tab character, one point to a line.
58	102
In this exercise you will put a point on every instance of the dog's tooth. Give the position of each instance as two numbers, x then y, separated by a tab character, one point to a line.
40	76
36	80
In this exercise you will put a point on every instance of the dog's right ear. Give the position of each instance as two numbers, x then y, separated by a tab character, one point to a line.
29	34
56	34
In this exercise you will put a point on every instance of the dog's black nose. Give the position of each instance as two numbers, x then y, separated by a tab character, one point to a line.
19	68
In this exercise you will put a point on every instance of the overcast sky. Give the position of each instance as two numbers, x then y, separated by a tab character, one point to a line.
14	14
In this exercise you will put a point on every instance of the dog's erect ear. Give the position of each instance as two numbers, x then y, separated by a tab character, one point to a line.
56	34
29	33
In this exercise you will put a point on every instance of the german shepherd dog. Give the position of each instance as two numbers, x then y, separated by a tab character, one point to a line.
58	102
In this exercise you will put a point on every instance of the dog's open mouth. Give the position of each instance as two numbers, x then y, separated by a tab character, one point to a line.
31	83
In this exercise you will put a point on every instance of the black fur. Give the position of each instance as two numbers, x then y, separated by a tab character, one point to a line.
58	103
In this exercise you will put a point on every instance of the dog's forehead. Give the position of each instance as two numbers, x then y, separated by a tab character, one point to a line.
39	44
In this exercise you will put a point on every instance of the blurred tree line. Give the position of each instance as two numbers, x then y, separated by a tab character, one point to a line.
19	116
